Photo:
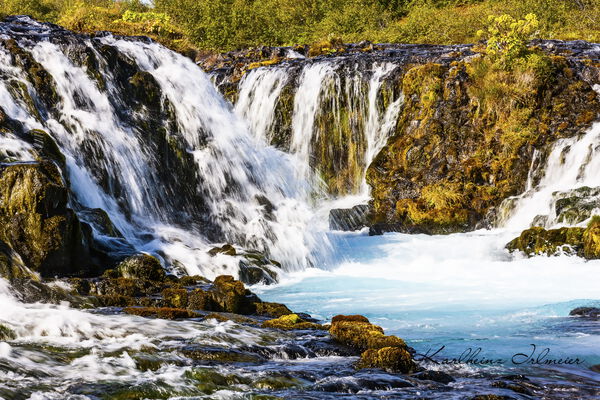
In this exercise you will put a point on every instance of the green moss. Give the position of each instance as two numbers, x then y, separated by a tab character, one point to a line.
274	310
393	359
291	322
591	239
142	266
177	298
6	333
536	241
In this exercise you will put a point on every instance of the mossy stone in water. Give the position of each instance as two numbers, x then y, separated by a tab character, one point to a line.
537	241
161	312
394	359
273	310
291	322
142	266
6	333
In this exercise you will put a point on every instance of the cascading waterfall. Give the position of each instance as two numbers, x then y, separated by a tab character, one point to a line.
573	163
336	111
248	188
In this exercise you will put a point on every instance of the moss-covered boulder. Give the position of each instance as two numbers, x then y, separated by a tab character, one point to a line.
395	359
291	322
584	242
36	222
273	310
377	349
466	136
232	296
142	266
537	241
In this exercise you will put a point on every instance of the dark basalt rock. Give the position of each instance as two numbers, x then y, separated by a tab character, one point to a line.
586	312
435	376
351	219
142	266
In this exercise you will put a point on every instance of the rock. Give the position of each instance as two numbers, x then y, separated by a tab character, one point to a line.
394	359
200	299
232	296
361	335
491	397
11	265
142	266
575	206
584	242
291	322
36	222
161	312
352	219
192	280
174	297
6	333
253	274
227	249
587	312
377	350
100	220
435	376
221	355
273	310
591	239
537	241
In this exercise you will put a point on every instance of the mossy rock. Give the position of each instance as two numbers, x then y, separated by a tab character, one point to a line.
192	280
227	249
232	296
200	299
393	359
161	312
37	224
100	221
6	333
355	332
591	240
177	298
142	266
11	265
291	322
273	310
538	241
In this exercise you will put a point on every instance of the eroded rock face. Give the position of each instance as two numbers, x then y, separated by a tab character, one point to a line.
36	222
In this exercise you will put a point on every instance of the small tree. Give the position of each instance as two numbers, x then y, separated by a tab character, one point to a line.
507	37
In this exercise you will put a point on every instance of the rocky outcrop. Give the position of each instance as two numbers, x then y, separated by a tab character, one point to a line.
352	219
36	222
465	140
584	242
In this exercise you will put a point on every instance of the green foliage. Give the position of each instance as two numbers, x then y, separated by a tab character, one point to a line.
231	24
507	38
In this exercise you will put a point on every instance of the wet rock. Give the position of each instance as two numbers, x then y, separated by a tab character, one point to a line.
161	312
174	297
352	219
377	350
192	280
100	221
354	384
36	222
394	359
291	322
232	296
577	205
254	274
435	376
584	242
11	265
591	240
587	312
6	333
491	397
142	266
221	355
536	241
273	310
227	249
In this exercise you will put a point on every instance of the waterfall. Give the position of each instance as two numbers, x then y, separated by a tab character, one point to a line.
338	120
572	163
175	173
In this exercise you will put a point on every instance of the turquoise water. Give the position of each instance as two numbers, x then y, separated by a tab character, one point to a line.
462	292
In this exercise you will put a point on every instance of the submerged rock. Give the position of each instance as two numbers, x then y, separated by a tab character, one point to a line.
161	312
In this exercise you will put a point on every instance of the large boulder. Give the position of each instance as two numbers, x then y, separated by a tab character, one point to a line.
377	349
36	222
142	266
